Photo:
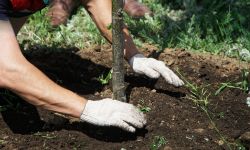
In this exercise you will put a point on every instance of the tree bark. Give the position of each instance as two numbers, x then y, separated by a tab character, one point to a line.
118	48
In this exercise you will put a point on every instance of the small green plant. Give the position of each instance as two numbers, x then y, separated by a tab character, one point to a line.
109	27
199	94
240	146
2	142
242	85
158	142
221	115
200	97
105	79
143	108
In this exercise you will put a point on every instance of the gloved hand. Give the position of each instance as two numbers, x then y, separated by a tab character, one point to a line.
108	112
153	69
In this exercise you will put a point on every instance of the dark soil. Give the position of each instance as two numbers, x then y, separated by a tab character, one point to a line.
174	116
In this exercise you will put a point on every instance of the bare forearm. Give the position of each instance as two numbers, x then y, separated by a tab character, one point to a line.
39	90
129	47
26	80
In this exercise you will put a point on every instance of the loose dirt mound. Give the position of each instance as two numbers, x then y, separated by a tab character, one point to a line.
174	116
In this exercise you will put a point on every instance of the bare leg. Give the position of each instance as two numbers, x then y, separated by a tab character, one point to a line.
136	9
20	76
60	10
100	11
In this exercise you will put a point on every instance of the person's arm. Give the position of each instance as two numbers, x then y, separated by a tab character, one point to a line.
20	76
101	11
27	81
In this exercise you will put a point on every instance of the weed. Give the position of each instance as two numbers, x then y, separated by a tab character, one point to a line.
2	142
221	115
143	108
200	97
240	146
242	85
105	79
158	142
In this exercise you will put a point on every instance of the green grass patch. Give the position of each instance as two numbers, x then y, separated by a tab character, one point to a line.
80	32
213	26
218	26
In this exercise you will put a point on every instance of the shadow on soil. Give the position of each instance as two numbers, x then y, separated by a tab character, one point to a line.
26	120
77	74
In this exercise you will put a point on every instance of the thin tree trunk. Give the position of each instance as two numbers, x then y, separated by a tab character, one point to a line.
118	48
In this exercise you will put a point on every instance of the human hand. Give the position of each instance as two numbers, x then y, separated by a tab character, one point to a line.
154	68
108	112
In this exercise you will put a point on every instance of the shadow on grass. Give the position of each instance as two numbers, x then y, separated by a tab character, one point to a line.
200	21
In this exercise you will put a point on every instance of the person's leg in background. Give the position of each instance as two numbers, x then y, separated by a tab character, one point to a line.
100	12
60	10
136	9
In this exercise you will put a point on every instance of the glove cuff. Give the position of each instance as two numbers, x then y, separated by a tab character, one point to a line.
85	112
132	59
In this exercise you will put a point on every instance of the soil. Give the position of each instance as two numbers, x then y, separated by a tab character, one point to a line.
173	115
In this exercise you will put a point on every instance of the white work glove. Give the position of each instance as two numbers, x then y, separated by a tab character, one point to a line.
108	112
154	68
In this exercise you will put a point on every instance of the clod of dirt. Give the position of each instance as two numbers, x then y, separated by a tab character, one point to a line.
154	90
167	148
199	130
170	62
183	54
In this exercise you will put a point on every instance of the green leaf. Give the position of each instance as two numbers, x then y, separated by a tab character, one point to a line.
221	89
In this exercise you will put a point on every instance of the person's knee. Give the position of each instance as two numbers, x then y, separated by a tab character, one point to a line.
101	14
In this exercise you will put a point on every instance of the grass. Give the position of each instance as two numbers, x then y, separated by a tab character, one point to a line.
158	142
104	79
242	85
200	97
218	26
214	26
2	142
142	106
80	32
